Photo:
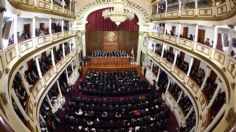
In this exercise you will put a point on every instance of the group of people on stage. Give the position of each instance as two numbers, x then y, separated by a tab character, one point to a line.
103	53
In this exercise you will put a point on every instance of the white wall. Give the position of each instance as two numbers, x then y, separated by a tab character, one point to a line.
191	29
21	22
209	33
45	21
203	66
187	58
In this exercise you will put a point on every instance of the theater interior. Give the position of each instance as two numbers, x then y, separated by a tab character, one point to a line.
118	66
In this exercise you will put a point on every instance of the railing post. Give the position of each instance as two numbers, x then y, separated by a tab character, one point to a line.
196	37
33	34
189	113
168	85
180	96
205	79
50	29
196	7
179	32
175	59
59	87
16	35
190	66
38	68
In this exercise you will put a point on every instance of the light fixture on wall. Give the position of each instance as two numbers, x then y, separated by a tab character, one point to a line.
117	13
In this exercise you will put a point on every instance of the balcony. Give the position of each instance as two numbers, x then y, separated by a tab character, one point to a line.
216	13
217	60
44	6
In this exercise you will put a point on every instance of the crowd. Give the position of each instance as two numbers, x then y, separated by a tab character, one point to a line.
56	27
41	32
143	113
169	55
19	89
113	83
23	36
102	53
197	74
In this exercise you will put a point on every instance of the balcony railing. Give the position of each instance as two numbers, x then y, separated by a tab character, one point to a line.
220	12
12	52
179	114
42	6
223	63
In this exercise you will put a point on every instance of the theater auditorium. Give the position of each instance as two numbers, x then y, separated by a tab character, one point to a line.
118	66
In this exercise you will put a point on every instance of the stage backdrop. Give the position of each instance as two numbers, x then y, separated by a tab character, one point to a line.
95	40
103	34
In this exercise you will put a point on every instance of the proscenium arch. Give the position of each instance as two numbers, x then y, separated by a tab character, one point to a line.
82	20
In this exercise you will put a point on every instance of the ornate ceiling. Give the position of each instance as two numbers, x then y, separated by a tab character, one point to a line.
146	4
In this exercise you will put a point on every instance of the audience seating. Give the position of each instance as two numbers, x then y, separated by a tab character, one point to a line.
113	83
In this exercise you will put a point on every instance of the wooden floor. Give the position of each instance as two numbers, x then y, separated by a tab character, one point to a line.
85	69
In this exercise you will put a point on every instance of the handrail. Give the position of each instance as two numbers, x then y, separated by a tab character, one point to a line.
216	60
217	13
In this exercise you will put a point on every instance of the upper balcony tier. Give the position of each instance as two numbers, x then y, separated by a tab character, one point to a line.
214	12
52	7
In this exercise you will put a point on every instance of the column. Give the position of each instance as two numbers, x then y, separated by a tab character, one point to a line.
24	81
196	7
189	113
59	88
63	6
165	31
53	60
215	95
196	37
67	76
190	66
179	31
38	68
16	17
62	26
215	37
140	43
70	6
175	59
33	33
158	74
19	106
70	46
50	28
179	97
180	7
83	43
166	8
231	34
162	52
214	10
205	79
63	50
157	8
51	6
42	119
168	85
49	102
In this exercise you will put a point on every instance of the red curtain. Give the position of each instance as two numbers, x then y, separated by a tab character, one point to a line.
97	22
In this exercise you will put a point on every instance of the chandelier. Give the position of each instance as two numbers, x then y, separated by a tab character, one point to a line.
118	14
